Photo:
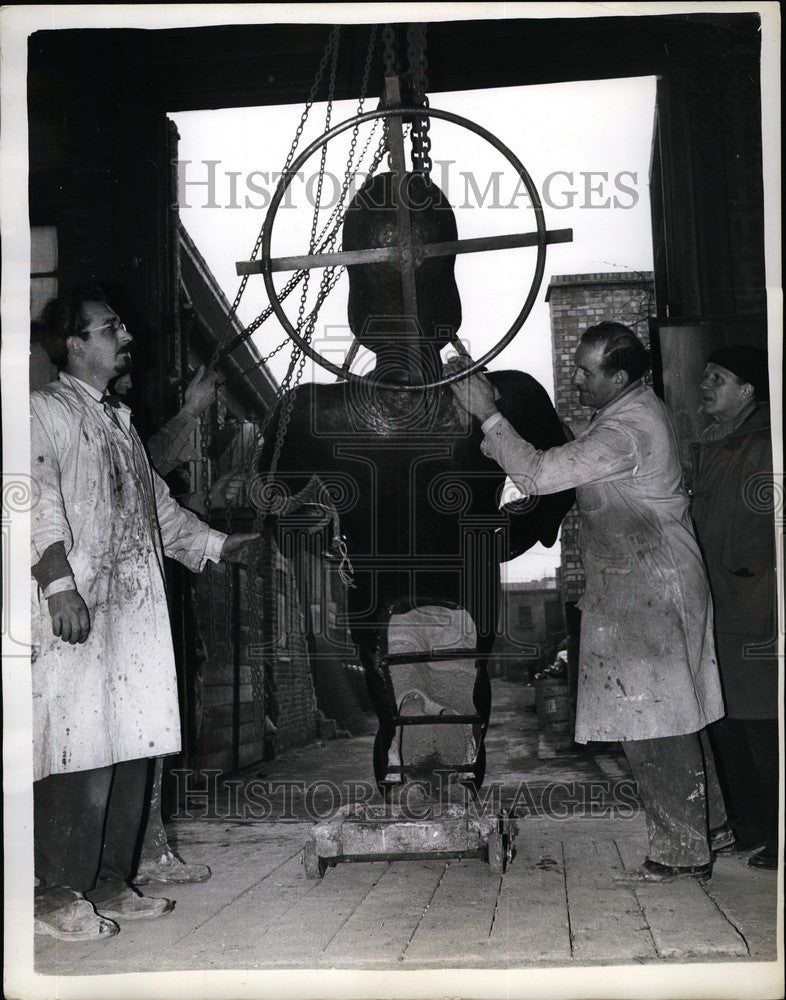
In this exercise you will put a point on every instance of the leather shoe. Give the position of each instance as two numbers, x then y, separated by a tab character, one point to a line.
170	870
131	905
746	846
76	921
763	859
654	871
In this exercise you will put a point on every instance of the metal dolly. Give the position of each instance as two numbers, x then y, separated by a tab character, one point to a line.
391	835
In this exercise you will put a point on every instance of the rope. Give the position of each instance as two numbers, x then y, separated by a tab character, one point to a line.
346	570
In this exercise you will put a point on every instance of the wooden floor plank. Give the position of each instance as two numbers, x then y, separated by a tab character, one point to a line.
455	927
684	921
235	870
231	938
259	909
606	922
531	922
753	913
381	926
300	935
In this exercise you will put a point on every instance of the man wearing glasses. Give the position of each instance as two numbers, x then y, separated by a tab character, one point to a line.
104	684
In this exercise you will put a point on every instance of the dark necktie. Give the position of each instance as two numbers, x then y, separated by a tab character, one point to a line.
112	399
111	403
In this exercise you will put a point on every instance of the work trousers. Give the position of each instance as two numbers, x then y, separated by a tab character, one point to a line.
746	751
86	831
679	789
155	844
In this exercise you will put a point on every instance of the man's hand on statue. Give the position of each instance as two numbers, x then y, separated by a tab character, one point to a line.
475	395
70	617
201	391
237	547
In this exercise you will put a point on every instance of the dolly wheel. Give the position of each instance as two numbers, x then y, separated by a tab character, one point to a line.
498	854
314	865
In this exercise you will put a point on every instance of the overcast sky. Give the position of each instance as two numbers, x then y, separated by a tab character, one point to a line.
586	145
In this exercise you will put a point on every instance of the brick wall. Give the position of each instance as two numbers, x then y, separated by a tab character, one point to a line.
245	621
576	302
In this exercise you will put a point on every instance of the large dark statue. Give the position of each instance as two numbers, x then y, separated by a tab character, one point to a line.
419	505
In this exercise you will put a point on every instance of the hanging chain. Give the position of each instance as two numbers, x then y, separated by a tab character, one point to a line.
418	65
389	59
305	325
331	48
330	275
205	483
301	321
326	242
257	674
230	579
349	173
327	238
389	49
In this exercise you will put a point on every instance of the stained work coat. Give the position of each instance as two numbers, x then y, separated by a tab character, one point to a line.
734	515
114	697
647	665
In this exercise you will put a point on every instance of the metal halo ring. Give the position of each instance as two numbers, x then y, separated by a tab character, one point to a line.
448	116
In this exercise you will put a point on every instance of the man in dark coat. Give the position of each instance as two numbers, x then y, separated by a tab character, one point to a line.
733	513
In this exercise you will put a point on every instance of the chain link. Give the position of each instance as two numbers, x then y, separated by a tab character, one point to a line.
418	65
313	237
230	583
389	58
330	49
389	49
325	240
285	394
205	483
305	325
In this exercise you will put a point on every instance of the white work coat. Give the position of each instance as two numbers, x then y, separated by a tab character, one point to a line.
647	665
114	697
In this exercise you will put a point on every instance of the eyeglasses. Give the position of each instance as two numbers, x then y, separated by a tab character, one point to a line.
115	325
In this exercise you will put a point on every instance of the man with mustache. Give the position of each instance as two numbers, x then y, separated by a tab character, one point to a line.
648	676
103	672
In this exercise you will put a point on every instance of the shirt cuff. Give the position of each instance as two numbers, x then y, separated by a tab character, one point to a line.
215	543
489	422
58	586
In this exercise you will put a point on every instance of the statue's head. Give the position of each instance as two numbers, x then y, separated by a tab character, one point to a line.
377	315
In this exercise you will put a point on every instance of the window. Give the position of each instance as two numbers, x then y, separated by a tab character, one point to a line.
525	617
43	268
43	287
